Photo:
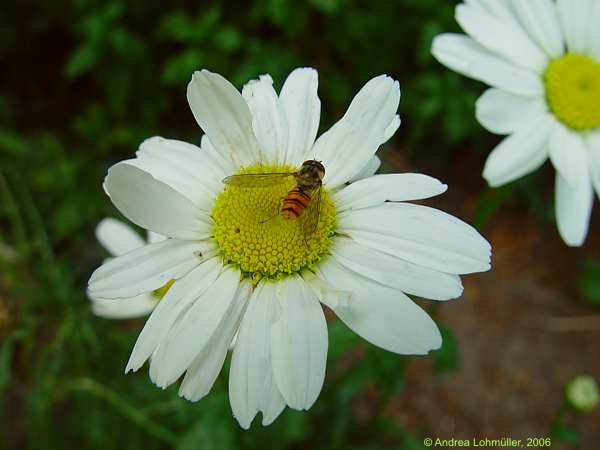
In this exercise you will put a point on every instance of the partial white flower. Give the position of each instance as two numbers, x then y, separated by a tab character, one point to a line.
239	272
118	238
542	59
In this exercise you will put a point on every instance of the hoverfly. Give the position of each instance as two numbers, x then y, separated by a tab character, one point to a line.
301	202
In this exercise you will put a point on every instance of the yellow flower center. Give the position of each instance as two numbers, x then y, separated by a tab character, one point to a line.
573	90
253	235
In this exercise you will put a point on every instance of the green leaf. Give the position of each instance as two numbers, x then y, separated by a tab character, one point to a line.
212	431
6	352
412	442
341	340
566	433
81	61
489	202
13	143
327	6
228	39
179	68
446	358
589	281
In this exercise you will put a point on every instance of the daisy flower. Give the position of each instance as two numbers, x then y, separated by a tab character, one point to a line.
117	238
542	59
262	281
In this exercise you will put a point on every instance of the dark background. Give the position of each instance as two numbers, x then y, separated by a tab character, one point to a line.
82	83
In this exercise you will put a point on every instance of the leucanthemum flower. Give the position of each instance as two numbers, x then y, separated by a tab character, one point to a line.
261	281
542	59
117	238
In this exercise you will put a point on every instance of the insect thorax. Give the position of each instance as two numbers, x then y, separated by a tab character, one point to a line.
310	175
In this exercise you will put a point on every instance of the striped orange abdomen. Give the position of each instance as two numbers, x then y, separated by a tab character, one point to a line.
294	203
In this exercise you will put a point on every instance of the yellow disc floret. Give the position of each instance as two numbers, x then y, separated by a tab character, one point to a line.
253	235
573	90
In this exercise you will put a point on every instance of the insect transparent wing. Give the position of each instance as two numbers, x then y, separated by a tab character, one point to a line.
310	218
257	180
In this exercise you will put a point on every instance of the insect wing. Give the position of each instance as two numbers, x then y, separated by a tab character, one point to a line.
257	180
310	218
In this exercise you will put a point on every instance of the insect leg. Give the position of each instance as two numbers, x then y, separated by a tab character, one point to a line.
269	218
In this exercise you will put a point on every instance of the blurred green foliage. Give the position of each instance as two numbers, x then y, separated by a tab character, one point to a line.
83	82
589	281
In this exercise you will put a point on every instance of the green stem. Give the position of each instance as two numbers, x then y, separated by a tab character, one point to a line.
92	387
45	247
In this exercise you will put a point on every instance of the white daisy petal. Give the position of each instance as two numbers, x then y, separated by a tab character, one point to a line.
354	139
501	37
273	406
252	386
567	153
124	308
503	113
154	205
368	170
153	237
188	169
302	108
540	20
574	16
593	36
419	234
176	301
520	153
391	128
202	373
268	118
396	187
233	341
299	344
463	55
193	332
225	165
500	9
224	116
185	156
381	315
396	273
593	143
116	237
147	268
574	201
326	293
199	194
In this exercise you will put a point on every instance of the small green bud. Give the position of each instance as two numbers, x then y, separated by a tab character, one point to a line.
582	393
